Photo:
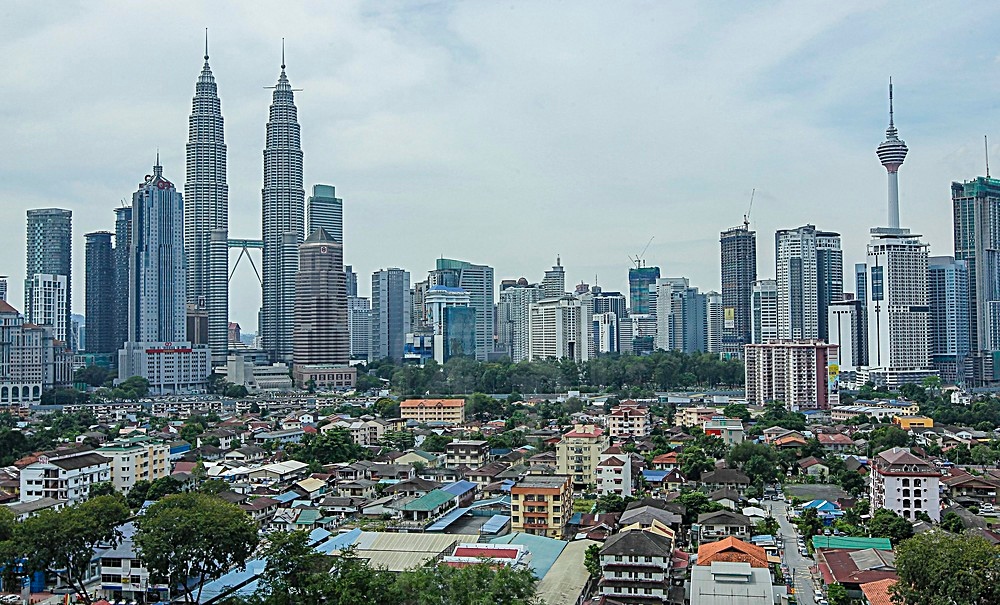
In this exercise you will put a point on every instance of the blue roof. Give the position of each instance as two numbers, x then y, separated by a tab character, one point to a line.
544	551
286	497
339	542
576	518
444	522
245	579
495	525
822	505
654	475
459	488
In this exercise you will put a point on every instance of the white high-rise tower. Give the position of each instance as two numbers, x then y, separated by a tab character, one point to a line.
206	213
283	220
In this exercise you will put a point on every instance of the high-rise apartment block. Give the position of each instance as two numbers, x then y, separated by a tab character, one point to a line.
324	210
803	258
560	328
283	220
846	321
390	316
99	294
739	271
206	217
352	280
49	302
477	281
554	282
359	324
948	299
123	255
3	287
765	311
801	374
48	250
515	302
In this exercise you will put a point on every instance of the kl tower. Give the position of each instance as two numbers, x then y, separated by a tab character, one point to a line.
891	153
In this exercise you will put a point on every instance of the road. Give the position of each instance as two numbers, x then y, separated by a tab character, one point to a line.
797	564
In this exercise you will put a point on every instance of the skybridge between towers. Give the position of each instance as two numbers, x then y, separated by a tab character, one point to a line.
244	246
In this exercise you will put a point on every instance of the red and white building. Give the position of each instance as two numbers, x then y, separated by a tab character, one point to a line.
802	374
904	484
628	420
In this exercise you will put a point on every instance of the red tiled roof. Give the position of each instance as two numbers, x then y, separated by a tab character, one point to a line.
668	458
487	553
834	439
583	432
877	593
732	550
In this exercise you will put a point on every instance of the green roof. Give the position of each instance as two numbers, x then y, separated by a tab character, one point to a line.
851	542
308	516
430	501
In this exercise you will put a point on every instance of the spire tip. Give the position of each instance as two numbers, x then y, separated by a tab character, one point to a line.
206	44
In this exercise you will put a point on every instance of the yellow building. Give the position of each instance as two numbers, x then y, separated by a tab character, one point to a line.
438	411
908	422
541	505
579	452
136	459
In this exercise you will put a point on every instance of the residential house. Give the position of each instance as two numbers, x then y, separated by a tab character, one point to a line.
628	420
417	458
835	442
813	467
614	472
426	507
279	437
732	550
962	486
245	454
727	583
62	474
725	477
730	430
470	453
665	462
722	524
636	567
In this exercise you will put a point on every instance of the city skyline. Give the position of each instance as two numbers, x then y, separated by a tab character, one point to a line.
403	164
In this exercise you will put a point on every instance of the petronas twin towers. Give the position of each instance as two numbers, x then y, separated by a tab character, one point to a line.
206	217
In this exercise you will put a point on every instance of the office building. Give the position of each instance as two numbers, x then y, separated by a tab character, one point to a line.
640	279
738	247
99	293
359	325
122	255
605	326
845	319
157	349
861	295
554	282
321	334
48	248
352	280
324	210
458	333
905	484
48	304
477	281
515	301
560	328
801	374
976	212
765	311
614	302
948	298
803	258
390	315
283	221
681	316
206	216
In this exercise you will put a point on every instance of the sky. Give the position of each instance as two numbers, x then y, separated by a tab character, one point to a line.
507	133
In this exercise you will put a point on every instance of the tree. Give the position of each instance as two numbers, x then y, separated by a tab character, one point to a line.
65	540
952	522
10	551
93	375
398	440
436	443
387	408
809	523
477	584
610	503
737	410
236	391
592	560
693	462
135	387
696	503
937	568
105	488
164	486
329	447
836	594
887	524
768	526
192	536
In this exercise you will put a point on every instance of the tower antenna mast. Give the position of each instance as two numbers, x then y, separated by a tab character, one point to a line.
986	143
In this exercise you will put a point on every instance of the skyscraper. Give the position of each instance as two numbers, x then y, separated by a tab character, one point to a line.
99	294
554	282
765	311
560	327
390	318
48	304
515	302
122	256
156	267
976	211
861	295
206	213
352	280
359	323
477	280
639	281
809	265
283	218
739	271
49	252
3	287
324	210
948	298
845	319
321	332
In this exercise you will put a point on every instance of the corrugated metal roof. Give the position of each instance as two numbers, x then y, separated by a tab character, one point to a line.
496	524
544	551
446	521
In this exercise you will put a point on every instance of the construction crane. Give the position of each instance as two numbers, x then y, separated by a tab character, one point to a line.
746	217
637	260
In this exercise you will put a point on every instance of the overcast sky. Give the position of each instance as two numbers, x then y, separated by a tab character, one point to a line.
507	133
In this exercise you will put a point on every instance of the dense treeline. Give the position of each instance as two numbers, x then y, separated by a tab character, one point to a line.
15	444
628	375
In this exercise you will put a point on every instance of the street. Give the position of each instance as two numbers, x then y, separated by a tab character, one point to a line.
797	564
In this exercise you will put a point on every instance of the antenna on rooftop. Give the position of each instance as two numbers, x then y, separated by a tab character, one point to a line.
986	142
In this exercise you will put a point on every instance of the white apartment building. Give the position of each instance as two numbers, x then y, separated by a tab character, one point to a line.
170	367
904	484
48	303
614	472
138	459
802	374
606	336
730	430
64	475
628	420
560	328
764	302
846	329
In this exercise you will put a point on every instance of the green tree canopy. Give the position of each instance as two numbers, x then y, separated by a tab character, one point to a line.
887	524
938	568
193	536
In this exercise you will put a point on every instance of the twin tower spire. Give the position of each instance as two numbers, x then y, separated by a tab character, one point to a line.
206	217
